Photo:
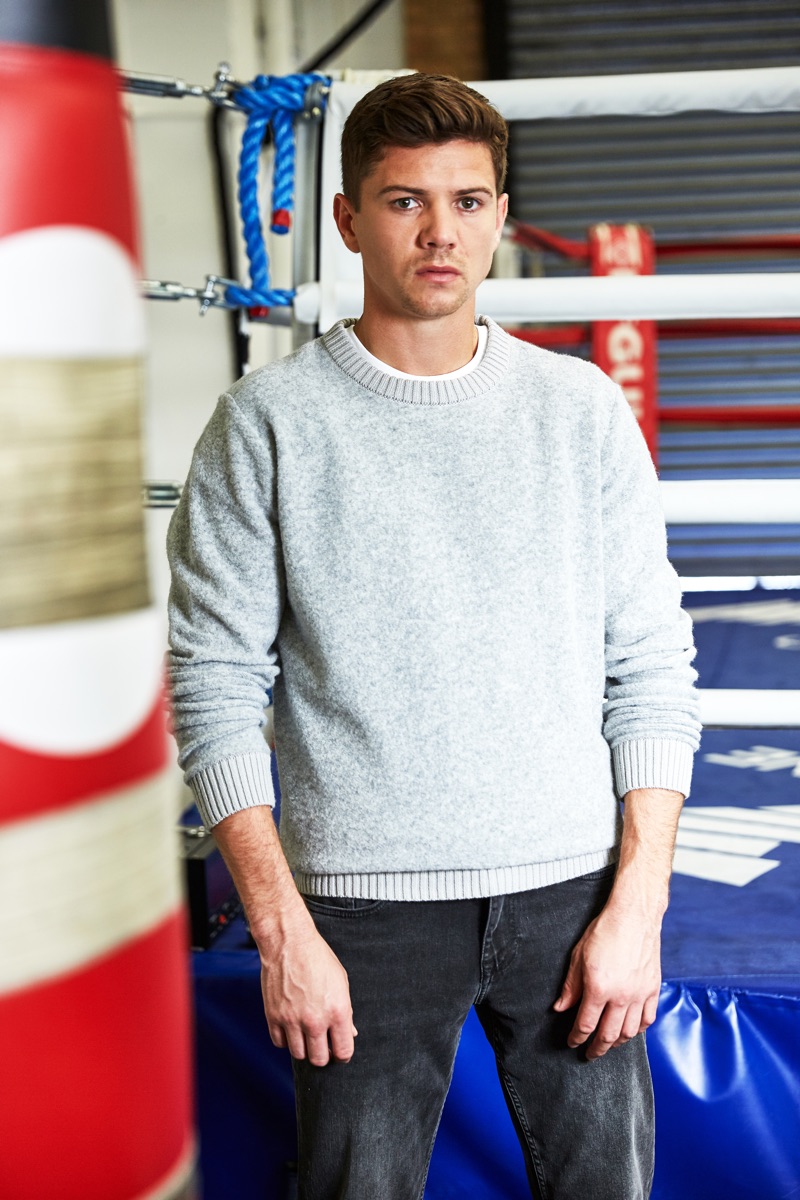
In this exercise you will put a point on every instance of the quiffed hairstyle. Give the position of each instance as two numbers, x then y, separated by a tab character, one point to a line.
416	110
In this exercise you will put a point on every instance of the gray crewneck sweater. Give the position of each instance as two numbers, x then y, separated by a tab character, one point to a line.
460	594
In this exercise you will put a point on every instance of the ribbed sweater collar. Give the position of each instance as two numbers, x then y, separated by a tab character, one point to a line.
488	374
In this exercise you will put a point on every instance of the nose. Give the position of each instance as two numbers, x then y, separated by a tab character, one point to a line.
438	228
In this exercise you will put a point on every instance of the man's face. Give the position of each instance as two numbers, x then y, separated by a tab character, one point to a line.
427	225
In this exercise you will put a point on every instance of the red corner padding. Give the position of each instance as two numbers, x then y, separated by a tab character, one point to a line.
95	1102
60	113
34	783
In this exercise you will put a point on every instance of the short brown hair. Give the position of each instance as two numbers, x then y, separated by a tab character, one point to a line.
417	110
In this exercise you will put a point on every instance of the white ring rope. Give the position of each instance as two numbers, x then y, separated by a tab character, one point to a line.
660	94
743	708
603	298
731	501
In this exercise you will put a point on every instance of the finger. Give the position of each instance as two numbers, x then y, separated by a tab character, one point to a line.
649	1012
599	1045
341	1039
277	1035
317	1049
586	1021
631	1026
608	1030
295	1041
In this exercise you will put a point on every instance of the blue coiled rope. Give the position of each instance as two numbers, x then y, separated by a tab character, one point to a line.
269	100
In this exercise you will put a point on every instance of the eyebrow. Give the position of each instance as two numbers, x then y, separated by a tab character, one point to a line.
412	191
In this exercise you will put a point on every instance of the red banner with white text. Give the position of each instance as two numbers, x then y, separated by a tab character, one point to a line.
626	350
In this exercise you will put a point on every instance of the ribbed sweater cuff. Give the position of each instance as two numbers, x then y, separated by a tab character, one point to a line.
243	781
653	763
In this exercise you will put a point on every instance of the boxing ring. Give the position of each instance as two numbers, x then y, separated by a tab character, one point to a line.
725	1049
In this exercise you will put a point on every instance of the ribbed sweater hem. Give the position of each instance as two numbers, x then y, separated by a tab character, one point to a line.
456	884
242	781
653	763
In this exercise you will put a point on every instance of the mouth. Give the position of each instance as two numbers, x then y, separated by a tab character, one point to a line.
439	274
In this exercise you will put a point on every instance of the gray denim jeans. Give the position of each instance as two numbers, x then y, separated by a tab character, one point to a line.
366	1128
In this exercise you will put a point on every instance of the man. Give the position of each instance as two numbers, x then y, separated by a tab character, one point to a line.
444	550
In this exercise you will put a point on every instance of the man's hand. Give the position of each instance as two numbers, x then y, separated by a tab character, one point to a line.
305	988
307	1001
615	969
615	976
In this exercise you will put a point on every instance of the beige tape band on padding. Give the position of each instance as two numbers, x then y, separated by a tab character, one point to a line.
71	525
78	883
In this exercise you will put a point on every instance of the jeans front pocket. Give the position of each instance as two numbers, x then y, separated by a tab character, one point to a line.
341	906
607	872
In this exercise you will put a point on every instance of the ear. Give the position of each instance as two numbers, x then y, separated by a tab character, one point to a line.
343	215
502	213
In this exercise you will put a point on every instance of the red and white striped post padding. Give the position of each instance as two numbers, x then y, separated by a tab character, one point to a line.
626	350
94	1000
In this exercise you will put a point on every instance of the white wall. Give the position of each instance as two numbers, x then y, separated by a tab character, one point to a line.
189	361
379	47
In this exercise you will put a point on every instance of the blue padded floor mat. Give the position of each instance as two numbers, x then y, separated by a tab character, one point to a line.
746	639
733	916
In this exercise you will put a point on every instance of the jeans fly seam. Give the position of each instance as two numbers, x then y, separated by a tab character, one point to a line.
487	950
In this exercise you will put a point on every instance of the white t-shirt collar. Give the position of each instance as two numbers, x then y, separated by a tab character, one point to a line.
475	361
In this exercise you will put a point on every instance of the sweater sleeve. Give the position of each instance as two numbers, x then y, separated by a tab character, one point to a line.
225	607
651	710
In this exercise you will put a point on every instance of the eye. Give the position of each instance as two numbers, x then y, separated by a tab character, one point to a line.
470	203
404	203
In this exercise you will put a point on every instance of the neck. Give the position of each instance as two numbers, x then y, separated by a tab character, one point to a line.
432	347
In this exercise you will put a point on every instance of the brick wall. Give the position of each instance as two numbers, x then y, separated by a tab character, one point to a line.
446	37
